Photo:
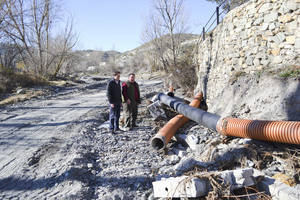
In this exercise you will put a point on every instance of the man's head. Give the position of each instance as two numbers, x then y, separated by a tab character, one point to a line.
131	77
117	75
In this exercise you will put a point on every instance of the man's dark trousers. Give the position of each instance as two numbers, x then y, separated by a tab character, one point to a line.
130	113
114	116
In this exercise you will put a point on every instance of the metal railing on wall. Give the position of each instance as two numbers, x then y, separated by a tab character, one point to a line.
216	17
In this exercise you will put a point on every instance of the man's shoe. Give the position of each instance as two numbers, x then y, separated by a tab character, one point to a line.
112	131
134	125
119	130
128	128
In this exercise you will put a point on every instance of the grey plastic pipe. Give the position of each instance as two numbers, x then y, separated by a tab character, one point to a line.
205	118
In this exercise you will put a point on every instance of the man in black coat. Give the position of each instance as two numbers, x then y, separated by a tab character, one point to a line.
113	93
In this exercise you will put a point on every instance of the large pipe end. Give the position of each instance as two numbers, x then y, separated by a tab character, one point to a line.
158	142
170	94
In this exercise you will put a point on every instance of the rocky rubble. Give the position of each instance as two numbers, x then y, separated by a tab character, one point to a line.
198	149
86	161
127	166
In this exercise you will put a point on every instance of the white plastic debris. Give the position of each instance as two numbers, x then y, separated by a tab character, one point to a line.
156	111
179	187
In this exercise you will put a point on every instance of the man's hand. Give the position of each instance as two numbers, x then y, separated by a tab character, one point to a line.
112	105
128	101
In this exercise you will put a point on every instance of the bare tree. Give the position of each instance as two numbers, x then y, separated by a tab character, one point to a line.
63	48
9	56
9	52
164	30
28	25
2	12
3	17
19	29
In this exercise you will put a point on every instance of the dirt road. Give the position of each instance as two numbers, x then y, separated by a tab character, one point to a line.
54	147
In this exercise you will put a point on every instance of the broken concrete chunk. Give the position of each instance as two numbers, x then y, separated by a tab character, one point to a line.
173	159
90	165
182	153
192	141
177	151
238	178
183	186
279	190
189	140
185	164
53	171
243	178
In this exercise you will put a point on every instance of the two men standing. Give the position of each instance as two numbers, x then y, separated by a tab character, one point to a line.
131	99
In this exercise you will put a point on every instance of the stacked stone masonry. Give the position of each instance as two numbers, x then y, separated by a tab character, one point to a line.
258	35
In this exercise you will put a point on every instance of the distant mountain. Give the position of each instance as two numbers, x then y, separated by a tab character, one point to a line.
138	57
132	60
93	60
98	56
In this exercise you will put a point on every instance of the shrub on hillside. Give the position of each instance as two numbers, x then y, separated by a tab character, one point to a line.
185	77
184	74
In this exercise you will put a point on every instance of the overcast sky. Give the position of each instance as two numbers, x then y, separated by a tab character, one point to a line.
118	24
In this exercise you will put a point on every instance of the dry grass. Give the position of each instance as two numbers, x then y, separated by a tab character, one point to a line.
21	97
10	80
31	93
285	179
152	75
60	83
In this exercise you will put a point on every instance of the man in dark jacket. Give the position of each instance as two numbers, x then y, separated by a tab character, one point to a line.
113	93
131	98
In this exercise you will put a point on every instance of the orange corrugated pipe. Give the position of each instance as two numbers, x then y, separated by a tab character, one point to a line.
161	139
274	131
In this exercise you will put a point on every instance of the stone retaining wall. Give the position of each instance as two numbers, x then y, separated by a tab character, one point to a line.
255	37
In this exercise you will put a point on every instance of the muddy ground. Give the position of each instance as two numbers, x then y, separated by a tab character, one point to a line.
59	147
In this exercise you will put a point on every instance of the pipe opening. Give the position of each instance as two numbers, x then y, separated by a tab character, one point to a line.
157	143
170	94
